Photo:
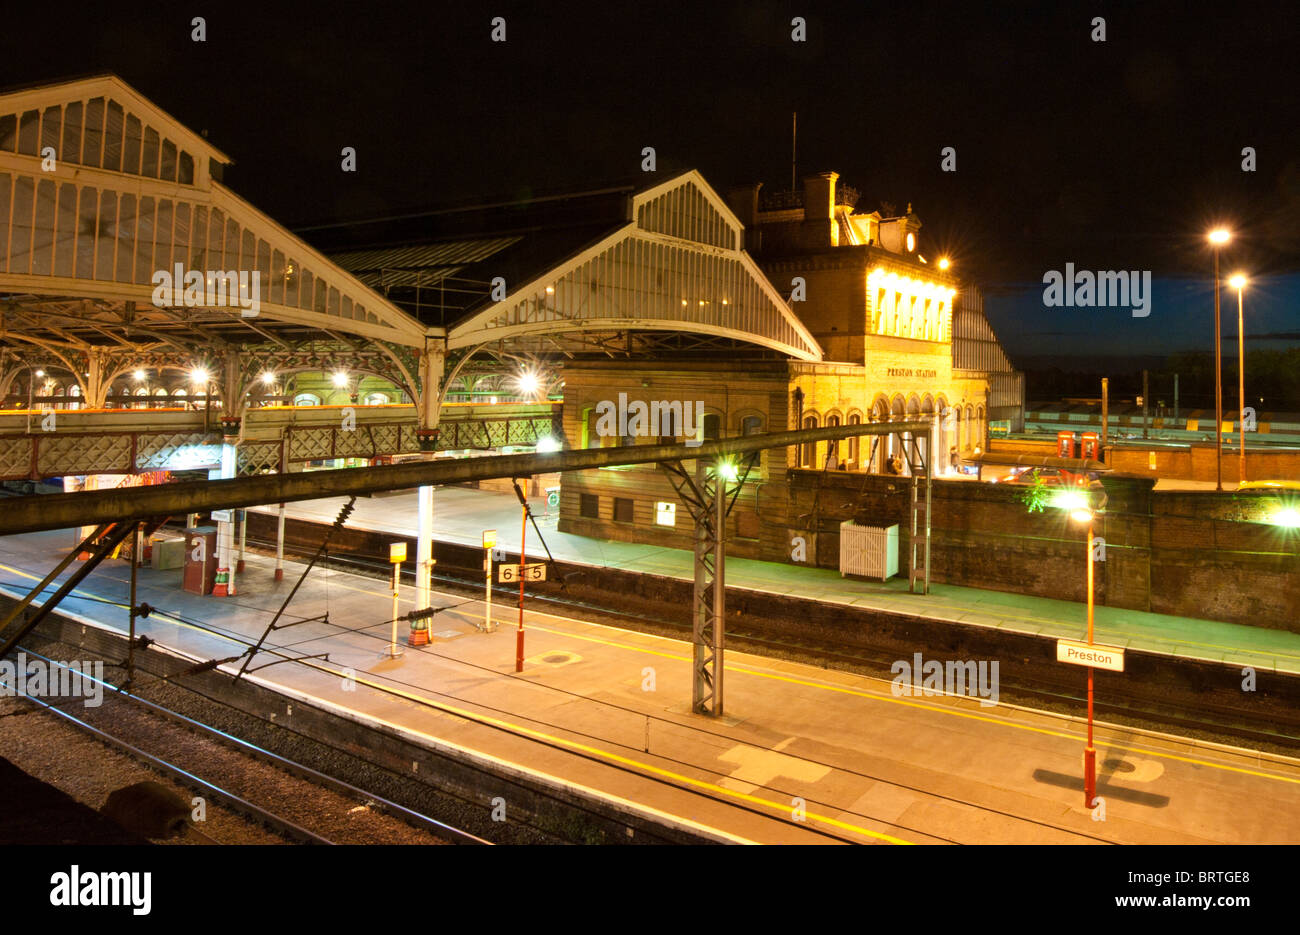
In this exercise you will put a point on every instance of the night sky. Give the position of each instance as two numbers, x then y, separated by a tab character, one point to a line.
1109	155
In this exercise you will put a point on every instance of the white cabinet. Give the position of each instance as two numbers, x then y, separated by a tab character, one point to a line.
869	551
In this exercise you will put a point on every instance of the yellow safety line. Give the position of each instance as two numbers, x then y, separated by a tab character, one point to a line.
939	709
1277	654
535	734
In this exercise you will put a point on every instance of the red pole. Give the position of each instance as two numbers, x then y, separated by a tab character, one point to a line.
1089	753
519	640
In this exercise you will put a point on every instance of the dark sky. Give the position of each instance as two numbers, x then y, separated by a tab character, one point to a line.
1110	155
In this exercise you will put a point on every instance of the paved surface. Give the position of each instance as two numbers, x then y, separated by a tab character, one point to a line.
804	755
461	515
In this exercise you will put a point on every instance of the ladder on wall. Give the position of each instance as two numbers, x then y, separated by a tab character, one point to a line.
916	449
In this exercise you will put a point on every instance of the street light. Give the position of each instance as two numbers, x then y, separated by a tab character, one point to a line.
1238	282
944	262
1077	503
1217	238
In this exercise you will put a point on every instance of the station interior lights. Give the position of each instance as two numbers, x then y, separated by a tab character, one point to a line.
528	382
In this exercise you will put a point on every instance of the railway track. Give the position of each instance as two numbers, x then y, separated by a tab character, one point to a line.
824	655
1275	730
150	732
846	826
892	828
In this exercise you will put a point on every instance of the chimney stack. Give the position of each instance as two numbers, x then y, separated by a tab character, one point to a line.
819	210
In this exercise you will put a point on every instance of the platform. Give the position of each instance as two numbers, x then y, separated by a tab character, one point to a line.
803	755
461	514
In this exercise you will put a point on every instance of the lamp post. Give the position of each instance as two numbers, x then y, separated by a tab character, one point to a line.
1085	515
1218	237
1238	282
1076	501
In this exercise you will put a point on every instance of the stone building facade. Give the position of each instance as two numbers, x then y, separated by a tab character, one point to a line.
884	317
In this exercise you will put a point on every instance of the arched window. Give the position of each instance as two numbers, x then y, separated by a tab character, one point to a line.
712	427
751	425
377	399
306	399
808	450
832	447
855	443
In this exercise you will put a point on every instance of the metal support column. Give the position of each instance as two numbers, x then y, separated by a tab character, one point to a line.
709	502
134	608
709	604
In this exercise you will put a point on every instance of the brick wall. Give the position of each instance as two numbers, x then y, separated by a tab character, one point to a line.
1197	554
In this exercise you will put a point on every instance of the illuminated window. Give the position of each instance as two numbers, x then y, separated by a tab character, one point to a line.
808	450
665	513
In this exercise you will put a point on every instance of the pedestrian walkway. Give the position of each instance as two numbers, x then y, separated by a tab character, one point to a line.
803	754
461	515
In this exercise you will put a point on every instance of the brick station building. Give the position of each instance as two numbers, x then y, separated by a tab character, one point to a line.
901	339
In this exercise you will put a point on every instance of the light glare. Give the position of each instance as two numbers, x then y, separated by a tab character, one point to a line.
1288	517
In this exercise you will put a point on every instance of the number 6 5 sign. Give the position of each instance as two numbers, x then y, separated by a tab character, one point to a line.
509	573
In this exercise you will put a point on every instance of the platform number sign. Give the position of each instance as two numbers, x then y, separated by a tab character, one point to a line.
510	573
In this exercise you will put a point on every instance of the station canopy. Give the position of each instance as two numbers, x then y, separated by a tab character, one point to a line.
101	191
627	270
